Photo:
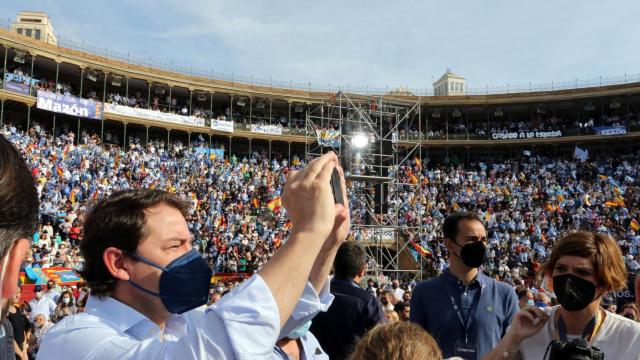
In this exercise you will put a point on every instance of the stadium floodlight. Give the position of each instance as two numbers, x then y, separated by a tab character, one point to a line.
260	105
241	101
20	56
202	96
116	80
92	75
359	140
456	113
614	104
159	90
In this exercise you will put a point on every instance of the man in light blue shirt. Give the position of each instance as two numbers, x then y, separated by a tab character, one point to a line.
148	286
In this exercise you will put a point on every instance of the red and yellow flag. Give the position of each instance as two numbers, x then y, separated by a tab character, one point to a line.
275	204
635	225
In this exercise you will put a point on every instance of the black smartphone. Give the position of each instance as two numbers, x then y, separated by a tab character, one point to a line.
336	187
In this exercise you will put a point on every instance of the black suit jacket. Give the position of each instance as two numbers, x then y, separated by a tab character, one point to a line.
353	312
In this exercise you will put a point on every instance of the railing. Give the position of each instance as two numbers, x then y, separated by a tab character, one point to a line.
331	88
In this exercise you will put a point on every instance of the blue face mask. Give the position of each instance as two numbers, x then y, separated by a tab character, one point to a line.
540	304
531	302
300	332
184	283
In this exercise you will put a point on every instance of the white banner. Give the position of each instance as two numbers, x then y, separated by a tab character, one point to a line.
526	135
266	129
222	125
153	115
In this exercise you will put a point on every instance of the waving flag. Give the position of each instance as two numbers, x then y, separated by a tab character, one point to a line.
635	225
275	204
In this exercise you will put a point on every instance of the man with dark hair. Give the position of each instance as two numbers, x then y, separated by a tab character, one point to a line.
354	311
466	311
148	286
18	222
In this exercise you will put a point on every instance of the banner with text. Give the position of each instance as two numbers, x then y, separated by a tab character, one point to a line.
328	137
610	130
266	129
70	105
16	87
526	135
222	125
154	115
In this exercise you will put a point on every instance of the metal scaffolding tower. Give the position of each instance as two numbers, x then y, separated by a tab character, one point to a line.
374	186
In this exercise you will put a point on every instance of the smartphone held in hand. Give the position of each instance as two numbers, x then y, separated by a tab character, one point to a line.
336	187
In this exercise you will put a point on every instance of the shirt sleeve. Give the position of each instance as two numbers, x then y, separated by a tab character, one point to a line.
308	306
511	308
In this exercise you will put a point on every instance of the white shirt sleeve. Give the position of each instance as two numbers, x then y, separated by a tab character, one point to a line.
309	305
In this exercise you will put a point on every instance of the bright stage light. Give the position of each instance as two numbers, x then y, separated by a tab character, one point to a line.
359	140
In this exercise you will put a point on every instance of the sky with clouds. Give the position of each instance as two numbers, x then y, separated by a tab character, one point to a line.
374	43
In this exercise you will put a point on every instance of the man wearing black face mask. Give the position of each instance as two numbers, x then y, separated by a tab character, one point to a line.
463	309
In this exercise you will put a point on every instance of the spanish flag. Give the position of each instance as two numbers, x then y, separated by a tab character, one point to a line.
602	177
256	203
550	207
635	225
611	203
59	171
72	196
418	162
456	207
275	204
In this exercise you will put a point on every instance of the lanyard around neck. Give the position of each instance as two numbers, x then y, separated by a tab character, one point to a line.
591	329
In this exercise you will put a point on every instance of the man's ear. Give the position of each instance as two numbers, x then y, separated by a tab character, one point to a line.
114	260
10	267
362	270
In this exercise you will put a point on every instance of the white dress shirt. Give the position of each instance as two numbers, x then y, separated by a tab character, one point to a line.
44	306
244	324
311	349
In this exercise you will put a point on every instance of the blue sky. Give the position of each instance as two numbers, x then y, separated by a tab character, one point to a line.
375	43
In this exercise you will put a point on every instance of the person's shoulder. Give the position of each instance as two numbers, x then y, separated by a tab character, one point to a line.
621	325
77	334
502	287
429	284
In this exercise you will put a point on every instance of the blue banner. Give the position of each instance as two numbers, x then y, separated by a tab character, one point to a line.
219	153
610	130
70	105
18	78
16	87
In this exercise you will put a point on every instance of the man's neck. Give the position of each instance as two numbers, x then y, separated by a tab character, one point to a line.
462	272
577	321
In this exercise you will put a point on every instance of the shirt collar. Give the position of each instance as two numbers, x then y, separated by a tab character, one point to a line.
346	282
130	321
480	278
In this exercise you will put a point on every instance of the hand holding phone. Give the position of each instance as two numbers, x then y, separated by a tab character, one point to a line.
336	187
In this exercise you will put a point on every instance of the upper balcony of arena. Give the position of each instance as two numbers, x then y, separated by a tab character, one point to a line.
124	82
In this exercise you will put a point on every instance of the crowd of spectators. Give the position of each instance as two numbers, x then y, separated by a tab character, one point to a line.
237	221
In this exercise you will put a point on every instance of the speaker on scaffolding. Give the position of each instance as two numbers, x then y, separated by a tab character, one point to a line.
380	198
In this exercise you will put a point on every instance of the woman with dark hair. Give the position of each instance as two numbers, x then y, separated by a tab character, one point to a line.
584	267
525	296
65	307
